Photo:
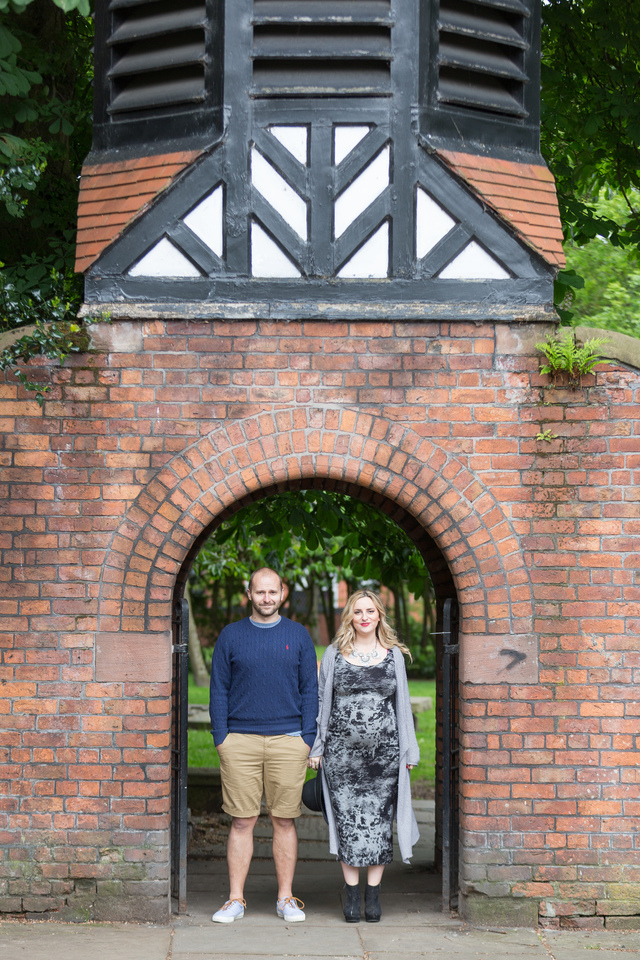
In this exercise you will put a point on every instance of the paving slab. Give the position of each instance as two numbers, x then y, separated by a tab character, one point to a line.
565	950
575	942
257	938
425	939
43	940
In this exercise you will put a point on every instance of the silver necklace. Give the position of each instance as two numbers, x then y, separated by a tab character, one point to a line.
366	657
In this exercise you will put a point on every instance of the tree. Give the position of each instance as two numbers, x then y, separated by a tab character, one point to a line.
590	129
45	133
314	539
611	292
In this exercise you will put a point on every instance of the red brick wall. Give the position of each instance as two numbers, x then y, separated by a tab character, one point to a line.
111	486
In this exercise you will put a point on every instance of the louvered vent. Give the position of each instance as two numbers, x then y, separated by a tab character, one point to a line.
481	54
316	48
158	55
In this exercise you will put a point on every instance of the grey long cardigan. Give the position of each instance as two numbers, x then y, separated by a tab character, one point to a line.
409	753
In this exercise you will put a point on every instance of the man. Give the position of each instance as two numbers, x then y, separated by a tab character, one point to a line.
264	700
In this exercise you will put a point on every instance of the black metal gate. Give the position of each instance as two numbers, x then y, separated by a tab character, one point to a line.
179	748
450	755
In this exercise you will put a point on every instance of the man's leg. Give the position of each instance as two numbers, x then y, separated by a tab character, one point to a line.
241	762
285	770
239	854
285	854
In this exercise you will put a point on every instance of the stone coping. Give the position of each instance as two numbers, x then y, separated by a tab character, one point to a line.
105	338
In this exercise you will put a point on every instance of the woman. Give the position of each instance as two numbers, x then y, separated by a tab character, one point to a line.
368	746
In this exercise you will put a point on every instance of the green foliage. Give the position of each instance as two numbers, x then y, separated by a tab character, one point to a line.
591	112
45	133
43	302
423	663
566	356
546	436
315	539
21	177
610	293
15	81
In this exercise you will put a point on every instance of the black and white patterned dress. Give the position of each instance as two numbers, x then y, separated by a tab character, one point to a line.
360	761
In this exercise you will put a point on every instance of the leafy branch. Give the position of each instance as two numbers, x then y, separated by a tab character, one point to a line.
48	311
45	133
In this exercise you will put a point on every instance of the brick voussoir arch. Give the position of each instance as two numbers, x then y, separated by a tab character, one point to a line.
432	494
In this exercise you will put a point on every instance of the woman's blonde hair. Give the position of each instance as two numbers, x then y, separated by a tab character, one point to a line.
346	635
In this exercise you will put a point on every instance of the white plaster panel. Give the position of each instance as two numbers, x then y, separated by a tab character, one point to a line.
432	223
206	221
345	139
473	263
362	192
276	191
164	260
267	258
371	261
295	139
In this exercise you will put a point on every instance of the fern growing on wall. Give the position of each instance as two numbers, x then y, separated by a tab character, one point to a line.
567	357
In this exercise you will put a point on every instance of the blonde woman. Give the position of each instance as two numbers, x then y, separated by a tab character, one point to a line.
366	746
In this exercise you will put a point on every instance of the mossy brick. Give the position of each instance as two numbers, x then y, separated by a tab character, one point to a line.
110	888
622	923
10	904
131	909
623	891
581	923
499	911
618	908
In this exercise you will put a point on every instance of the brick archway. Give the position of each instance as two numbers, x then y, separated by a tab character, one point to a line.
436	496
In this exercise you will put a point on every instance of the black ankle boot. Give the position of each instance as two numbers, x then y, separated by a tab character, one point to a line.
351	902
372	909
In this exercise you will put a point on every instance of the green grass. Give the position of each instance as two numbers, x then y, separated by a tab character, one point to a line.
426	769
203	754
197	694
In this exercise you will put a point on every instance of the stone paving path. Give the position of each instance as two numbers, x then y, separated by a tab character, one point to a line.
412	927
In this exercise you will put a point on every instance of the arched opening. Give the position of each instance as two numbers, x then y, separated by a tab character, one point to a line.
467	536
422	881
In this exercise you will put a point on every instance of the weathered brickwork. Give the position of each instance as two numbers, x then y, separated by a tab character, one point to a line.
110	487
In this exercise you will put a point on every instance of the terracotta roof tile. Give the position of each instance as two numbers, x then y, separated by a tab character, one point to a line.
112	195
521	193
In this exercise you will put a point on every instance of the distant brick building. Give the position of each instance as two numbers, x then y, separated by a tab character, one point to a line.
325	271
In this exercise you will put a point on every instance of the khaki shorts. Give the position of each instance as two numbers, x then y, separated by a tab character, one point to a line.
251	764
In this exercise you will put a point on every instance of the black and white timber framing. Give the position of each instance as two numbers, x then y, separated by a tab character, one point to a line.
411	75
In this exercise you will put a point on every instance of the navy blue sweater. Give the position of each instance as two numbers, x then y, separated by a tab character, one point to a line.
264	681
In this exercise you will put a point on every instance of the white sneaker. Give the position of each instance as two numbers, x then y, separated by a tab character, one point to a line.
230	911
288	910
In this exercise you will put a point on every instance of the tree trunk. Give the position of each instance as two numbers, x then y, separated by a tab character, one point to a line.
326	597
196	660
312	620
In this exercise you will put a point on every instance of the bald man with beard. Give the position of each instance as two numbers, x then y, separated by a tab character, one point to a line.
263	706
